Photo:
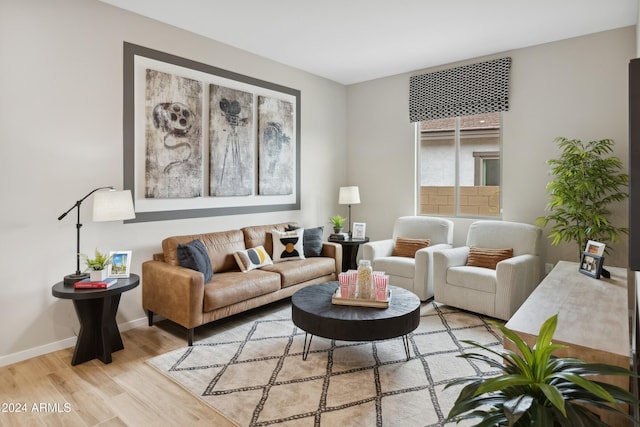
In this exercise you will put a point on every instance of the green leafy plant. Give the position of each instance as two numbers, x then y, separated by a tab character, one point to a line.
585	182
337	221
100	261
537	388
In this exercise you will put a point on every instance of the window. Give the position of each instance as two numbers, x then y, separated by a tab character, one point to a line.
459	166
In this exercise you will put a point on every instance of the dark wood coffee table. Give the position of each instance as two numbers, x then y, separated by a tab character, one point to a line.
313	312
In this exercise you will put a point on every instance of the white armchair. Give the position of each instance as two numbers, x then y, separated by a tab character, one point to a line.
413	274
495	292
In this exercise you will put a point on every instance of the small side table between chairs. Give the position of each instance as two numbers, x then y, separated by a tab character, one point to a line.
349	251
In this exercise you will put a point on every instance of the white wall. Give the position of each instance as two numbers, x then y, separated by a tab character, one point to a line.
575	88
61	136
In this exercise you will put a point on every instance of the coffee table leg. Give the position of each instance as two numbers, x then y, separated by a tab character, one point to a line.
307	346
405	341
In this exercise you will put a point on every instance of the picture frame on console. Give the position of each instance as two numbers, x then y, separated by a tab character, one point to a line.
591	264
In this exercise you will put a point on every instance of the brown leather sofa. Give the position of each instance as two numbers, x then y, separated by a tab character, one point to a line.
181	295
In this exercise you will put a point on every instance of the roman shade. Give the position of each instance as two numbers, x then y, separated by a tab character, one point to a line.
461	91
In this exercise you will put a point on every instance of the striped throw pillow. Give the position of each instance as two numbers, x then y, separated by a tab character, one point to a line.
487	258
408	247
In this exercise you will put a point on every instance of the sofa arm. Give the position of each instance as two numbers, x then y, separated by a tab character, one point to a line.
516	278
174	292
333	250
377	249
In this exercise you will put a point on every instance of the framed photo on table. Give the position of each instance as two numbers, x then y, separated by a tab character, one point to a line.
595	248
120	265
358	230
591	264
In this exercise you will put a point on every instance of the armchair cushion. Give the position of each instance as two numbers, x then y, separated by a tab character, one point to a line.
486	257
407	247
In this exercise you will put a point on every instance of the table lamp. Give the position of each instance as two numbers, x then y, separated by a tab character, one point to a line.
109	205
349	196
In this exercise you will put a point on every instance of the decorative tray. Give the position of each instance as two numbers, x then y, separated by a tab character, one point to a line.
337	299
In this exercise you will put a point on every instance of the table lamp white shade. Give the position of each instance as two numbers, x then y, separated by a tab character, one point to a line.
113	205
349	195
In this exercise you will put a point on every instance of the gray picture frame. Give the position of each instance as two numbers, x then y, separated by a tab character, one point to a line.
265	204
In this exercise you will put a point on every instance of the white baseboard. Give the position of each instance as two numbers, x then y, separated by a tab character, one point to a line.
60	345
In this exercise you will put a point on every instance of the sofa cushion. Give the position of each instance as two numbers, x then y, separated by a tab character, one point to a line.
287	245
486	257
311	240
250	259
407	247
235	286
194	255
303	270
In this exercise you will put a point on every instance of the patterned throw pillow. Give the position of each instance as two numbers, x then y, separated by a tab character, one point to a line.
194	255
288	245
487	258
408	247
250	259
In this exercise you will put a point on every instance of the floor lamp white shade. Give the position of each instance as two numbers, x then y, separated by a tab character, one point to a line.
113	205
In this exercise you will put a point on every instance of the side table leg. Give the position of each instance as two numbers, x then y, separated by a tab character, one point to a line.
99	335
109	337
89	313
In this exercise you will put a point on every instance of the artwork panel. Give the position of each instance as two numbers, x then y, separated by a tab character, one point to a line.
231	146
275	146
173	136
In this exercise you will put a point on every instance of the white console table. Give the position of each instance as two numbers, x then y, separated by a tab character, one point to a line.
592	319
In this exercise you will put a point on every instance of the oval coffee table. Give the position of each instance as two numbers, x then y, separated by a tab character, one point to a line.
313	312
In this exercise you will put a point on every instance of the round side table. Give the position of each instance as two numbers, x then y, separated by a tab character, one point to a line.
350	251
99	335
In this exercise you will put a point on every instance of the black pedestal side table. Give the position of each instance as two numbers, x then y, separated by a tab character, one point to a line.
349	251
99	335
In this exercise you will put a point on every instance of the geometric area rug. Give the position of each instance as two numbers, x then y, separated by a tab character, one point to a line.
252	372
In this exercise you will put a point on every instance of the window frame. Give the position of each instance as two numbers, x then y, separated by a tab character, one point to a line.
480	158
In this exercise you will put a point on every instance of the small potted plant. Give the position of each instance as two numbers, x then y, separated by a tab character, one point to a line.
97	266
337	221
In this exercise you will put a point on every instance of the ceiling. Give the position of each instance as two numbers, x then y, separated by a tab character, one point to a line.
351	41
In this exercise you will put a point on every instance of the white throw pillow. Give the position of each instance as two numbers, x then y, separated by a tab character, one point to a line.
250	259
288	245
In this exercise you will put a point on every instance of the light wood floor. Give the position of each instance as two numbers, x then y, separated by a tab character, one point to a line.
126	392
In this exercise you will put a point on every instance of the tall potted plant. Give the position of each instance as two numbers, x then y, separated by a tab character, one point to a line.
586	180
537	388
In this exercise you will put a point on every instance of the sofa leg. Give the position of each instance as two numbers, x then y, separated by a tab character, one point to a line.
190	336
150	317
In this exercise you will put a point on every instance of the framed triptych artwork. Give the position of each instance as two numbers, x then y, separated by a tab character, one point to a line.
202	141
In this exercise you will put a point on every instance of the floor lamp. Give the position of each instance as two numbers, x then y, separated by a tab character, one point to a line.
349	196
109	205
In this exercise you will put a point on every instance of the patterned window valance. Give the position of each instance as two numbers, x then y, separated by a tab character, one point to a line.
462	91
